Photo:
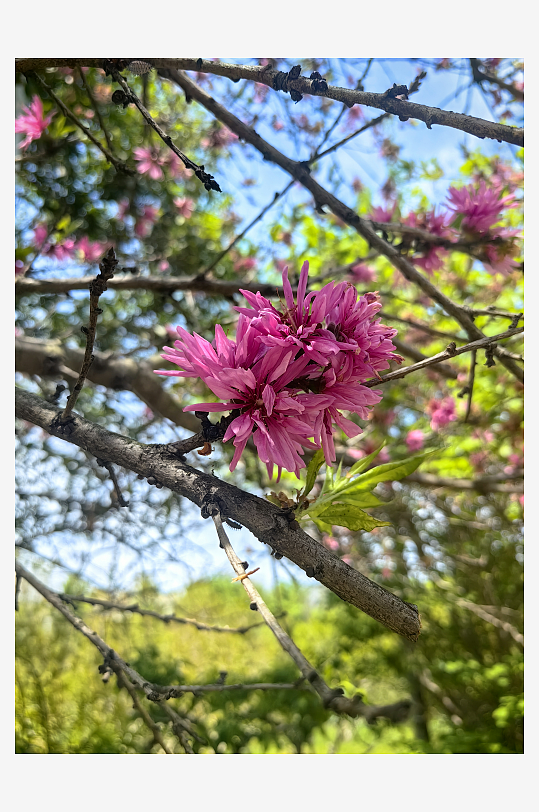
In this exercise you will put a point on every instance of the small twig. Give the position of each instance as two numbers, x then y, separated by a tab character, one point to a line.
236	240
470	385
331	698
130	97
119	165
372	123
450	352
500	314
147	719
418	326
110	469
96	108
111	660
97	287
150	613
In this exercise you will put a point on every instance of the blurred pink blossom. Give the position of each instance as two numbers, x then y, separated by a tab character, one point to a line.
91	251
40	236
481	208
245	264
415	440
148	161
331	543
362	273
185	206
441	412
261	91
19	267
277	125
144	223
32	122
64	250
123	208
383	215
163	266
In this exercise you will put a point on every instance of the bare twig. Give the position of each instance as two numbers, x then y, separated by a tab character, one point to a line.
119	165
331	698
112	474
205	178
384	101
96	108
450	352
147	719
97	287
259	217
149	613
470	385
111	660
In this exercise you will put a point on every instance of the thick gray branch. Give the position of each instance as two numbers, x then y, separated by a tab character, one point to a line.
429	115
263	519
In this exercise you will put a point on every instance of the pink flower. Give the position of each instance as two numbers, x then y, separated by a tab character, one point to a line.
32	122
415	440
40	236
331	543
185	206
176	167
481	208
91	251
64	250
353	117
290	372
261	91
218	138
277	125
362	273
19	267
245	264
149	161
381	215
434	256
441	412
144	223
123	208
163	266
499	258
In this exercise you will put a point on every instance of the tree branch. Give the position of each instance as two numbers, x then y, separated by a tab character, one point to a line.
134	607
383	101
324	198
267	523
118	165
97	287
451	351
112	660
35	356
331	698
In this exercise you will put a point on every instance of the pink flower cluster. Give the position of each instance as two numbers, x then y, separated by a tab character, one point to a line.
291	371
68	249
480	209
32	122
151	161
441	412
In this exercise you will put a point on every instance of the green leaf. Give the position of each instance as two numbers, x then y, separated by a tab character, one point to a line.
349	516
364	463
361	500
383	473
312	472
